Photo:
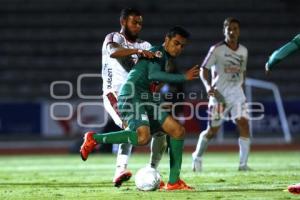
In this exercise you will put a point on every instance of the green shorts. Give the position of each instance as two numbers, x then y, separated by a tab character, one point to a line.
136	112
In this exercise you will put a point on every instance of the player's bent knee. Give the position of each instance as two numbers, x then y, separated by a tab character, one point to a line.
179	133
211	132
144	135
243	123
210	135
143	140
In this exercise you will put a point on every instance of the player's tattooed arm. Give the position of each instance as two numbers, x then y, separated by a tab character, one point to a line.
155	74
117	51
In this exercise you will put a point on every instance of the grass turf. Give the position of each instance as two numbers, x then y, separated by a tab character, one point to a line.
67	177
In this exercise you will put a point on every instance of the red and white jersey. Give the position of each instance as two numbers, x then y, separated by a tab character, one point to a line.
227	69
115	70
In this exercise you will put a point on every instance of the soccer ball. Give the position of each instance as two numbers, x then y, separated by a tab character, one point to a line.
147	179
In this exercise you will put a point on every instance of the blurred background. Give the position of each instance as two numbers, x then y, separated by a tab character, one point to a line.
50	65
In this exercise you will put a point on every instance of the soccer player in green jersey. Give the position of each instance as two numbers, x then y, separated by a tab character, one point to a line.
276	57
283	52
141	112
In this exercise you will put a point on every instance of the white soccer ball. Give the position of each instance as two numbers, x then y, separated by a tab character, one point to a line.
147	179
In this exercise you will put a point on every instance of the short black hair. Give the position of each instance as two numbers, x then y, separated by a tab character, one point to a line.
230	20
178	30
126	12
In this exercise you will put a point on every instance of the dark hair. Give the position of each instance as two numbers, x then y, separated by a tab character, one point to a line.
178	30
126	12
230	20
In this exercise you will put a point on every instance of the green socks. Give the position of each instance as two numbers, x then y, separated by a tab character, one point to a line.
175	152
126	136
118	137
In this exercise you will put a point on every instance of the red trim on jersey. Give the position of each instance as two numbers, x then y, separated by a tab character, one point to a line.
154	86
113	102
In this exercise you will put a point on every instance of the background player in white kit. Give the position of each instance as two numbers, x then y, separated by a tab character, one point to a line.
227	62
120	51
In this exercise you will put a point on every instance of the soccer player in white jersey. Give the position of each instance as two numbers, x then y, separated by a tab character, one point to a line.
227	62
120	51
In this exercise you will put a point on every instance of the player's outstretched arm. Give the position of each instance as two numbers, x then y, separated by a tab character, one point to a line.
155	74
117	51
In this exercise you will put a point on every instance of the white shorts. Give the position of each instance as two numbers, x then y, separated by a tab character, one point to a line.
110	101
233	110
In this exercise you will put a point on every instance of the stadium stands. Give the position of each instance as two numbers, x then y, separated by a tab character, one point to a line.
43	41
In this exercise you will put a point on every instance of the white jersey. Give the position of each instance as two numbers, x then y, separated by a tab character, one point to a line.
115	70
227	70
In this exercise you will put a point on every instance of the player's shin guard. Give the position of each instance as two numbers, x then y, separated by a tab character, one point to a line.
244	145
158	147
124	136
175	152
201	145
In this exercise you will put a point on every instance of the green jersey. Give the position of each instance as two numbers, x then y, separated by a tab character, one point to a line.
148	70
284	51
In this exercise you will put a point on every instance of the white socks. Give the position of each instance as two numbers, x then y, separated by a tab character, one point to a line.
123	157
244	144
201	145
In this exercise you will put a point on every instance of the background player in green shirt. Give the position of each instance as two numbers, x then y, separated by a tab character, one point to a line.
283	52
276	57
140	111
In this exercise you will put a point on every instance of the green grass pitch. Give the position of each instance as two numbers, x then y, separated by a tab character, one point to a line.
67	177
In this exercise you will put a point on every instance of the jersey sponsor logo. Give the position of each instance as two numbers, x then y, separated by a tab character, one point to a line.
109	79
158	54
234	58
232	69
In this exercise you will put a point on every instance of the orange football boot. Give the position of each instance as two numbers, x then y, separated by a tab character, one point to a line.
179	185
88	145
